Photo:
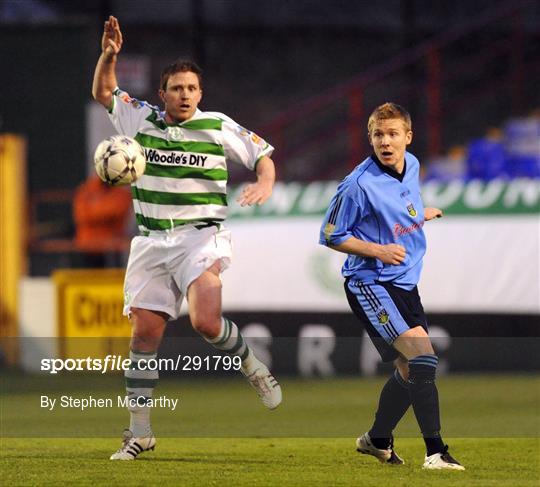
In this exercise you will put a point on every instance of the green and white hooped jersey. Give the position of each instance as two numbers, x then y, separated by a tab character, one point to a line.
185	180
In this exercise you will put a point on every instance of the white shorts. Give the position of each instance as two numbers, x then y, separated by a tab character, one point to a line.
162	265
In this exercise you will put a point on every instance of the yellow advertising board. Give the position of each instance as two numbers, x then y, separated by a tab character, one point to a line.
90	320
12	238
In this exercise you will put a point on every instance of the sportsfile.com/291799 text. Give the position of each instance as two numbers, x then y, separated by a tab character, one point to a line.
115	363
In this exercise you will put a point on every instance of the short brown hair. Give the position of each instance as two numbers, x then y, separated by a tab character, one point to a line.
388	111
179	66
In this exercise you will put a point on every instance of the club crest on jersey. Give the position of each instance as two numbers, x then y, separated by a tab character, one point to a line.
175	133
411	210
382	316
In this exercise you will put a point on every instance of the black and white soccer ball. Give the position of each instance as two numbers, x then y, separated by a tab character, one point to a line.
119	160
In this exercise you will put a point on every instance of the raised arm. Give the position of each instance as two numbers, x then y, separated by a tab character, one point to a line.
259	192
105	75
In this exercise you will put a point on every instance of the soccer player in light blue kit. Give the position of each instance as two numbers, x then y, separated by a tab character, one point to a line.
376	217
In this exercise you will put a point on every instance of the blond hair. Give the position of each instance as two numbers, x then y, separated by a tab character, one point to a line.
389	111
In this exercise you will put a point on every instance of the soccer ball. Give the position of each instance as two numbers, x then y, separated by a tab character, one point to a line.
119	160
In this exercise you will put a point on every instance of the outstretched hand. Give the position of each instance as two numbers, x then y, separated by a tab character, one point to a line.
111	42
431	213
255	193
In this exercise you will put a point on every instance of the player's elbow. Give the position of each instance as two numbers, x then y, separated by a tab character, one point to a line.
336	247
102	96
326	243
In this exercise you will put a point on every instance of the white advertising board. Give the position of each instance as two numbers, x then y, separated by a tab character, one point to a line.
488	264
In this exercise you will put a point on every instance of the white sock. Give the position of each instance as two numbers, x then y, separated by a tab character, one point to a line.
231	341
139	387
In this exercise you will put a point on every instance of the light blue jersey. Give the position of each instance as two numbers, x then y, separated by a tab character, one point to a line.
375	204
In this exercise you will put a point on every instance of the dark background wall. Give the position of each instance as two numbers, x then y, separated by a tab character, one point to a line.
46	75
259	60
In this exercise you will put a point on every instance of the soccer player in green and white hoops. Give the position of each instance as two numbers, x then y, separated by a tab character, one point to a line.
180	204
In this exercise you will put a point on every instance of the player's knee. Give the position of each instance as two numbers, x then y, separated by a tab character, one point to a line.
147	329
413	343
206	326
423	368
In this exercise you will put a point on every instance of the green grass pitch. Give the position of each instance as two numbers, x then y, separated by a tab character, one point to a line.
221	435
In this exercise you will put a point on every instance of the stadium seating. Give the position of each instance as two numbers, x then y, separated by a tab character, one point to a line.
507	153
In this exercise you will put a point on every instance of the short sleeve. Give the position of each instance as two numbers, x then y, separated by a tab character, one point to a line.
243	146
344	213
127	113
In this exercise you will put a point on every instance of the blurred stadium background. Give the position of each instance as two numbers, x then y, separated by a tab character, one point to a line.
305	75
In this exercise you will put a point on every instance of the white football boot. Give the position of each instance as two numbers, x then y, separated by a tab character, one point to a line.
442	461
385	455
132	446
266	385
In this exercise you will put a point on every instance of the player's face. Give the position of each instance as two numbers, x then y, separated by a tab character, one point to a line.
182	96
389	139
